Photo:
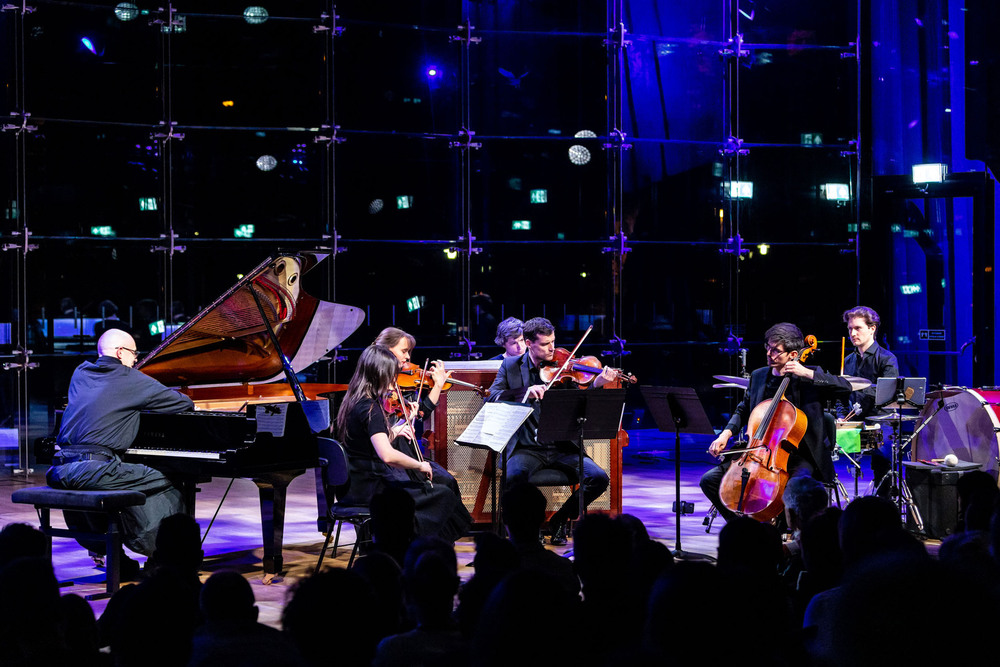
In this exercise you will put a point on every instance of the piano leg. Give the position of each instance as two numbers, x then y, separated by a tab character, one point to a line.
273	489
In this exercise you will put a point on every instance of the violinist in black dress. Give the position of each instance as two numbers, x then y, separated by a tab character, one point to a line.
809	388
377	457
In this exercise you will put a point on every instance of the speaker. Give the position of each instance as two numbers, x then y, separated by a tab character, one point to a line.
935	492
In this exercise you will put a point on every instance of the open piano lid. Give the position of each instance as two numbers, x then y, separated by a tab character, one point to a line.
228	343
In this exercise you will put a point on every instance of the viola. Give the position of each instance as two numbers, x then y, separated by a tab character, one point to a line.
579	370
754	484
412	376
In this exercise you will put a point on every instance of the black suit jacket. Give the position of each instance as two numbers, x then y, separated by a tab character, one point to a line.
511	381
807	396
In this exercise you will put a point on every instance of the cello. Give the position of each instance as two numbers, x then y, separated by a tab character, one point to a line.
754	484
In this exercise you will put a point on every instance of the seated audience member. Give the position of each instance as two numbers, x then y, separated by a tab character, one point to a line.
231	635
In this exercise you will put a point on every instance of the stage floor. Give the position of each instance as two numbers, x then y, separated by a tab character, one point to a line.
234	541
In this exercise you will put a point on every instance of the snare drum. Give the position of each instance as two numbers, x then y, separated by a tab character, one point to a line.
871	437
968	426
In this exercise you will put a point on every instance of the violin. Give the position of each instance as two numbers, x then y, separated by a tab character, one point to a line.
394	403
412	376
579	370
754	484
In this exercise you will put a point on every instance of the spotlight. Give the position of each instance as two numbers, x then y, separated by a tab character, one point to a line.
578	154
433	72
585	134
126	11
255	15
763	248
266	162
89	45
375	206
451	253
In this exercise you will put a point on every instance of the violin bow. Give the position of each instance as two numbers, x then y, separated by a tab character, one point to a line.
408	418
565	363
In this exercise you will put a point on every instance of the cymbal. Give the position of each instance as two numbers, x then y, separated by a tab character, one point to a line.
733	379
892	418
857	383
728	385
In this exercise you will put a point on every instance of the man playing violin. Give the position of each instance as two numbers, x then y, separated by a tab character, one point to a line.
809	388
521	376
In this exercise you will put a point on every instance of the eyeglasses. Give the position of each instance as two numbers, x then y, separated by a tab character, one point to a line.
135	353
774	351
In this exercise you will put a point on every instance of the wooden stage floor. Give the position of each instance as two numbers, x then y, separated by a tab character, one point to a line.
234	541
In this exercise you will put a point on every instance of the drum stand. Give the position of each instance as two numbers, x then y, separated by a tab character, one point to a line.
855	472
898	488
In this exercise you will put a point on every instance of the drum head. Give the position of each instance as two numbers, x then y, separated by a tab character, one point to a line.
964	427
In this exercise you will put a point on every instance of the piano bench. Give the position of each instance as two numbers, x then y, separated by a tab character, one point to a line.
108	504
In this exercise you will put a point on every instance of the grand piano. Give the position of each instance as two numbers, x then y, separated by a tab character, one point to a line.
227	359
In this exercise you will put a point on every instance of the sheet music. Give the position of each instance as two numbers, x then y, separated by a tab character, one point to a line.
494	425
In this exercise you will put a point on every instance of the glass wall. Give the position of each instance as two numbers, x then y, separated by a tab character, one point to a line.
679	177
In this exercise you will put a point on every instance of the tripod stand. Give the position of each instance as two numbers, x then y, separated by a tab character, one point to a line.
898	394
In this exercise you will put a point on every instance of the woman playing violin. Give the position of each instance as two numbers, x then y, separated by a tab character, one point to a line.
809	388
363	425
401	345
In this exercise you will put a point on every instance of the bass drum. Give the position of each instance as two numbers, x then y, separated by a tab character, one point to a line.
968	426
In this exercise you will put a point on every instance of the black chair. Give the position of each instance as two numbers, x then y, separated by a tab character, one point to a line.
336	478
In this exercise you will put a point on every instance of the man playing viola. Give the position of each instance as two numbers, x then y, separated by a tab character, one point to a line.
809	388
521	376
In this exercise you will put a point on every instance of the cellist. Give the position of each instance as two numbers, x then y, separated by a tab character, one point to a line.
810	387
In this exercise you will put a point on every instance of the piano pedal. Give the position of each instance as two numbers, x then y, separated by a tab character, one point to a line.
97	558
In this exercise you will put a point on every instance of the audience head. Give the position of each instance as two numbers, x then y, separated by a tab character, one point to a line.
19	540
804	497
178	544
307	621
866	526
747	544
227	597
523	511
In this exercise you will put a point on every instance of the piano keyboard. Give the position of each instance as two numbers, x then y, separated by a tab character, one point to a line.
176	453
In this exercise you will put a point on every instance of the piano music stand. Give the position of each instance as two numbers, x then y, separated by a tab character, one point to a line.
678	409
578	415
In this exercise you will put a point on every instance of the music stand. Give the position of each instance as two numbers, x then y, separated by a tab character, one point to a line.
491	429
678	409
576	415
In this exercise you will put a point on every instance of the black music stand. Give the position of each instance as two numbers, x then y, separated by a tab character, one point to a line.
678	409
577	415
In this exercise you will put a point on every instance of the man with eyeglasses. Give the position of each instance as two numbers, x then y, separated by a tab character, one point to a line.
809	388
100	422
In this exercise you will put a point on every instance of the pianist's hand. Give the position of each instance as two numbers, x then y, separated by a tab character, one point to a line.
425	468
